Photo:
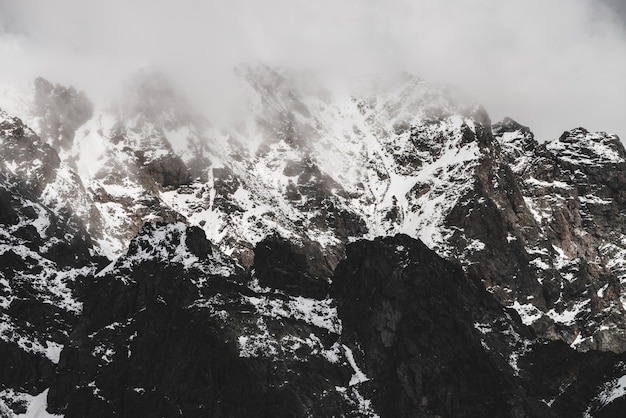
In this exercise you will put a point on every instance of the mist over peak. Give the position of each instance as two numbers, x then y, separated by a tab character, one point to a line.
553	65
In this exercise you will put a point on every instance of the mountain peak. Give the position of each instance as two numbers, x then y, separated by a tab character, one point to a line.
316	250
580	146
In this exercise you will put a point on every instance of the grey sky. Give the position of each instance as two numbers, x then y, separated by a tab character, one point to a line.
550	64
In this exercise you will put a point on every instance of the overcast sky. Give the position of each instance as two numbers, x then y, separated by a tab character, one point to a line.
550	64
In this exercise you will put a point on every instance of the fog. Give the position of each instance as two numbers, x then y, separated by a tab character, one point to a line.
550	64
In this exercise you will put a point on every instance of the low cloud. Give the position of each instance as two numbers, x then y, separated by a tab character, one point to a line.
550	64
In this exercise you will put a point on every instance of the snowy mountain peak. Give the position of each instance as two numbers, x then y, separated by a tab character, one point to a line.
57	112
579	146
25	155
246	234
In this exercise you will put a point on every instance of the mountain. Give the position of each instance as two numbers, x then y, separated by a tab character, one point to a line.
387	251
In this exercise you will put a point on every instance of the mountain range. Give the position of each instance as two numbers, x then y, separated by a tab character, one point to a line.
384	252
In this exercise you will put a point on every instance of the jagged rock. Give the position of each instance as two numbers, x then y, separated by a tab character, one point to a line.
412	315
161	335
552	372
564	190
34	161
301	271
169	172
61	111
428	339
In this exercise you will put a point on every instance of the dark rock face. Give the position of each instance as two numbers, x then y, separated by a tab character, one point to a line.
303	271
161	335
434	343
572	381
143	349
169	172
412	314
570	200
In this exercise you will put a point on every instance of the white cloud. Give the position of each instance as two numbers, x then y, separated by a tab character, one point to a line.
551	64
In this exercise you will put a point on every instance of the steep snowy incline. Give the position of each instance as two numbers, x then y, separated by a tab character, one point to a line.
305	163
330	169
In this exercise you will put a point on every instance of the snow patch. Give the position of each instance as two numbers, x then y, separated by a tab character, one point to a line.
568	316
358	376
612	391
319	313
37	406
482	328
53	351
528	313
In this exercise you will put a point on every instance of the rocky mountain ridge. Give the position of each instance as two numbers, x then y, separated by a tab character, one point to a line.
249	233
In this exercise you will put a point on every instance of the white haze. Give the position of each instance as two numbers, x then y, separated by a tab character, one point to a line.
550	64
